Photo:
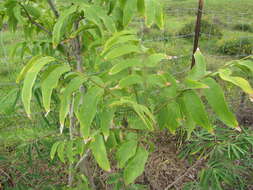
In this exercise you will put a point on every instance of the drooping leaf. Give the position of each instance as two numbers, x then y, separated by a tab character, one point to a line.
50	82
54	149
150	12
159	15
216	99
199	69
141	7
136	165
125	152
27	67
124	64
66	96
130	80
106	118
225	74
196	109
99	152
61	152
30	78
88	109
248	64
130	9
60	25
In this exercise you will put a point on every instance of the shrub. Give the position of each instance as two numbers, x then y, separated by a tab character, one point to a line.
207	28
243	27
236	46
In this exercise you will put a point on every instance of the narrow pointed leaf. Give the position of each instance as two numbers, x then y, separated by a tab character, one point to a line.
122	50
61	152
60	25
99	152
150	12
50	82
88	109
124	64
106	118
54	149
216	99
30	78
130	9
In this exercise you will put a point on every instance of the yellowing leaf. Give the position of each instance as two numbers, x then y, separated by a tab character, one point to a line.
50	82
26	68
30	78
225	74
60	151
136	166
99	152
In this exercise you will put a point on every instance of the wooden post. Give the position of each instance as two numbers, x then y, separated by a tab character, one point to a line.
197	30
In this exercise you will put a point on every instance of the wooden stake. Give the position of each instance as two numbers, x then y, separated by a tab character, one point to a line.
197	30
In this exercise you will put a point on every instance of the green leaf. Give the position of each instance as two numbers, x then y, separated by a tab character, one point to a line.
124	64
192	84
106	118
199	69
130	9
30	80
125	152
225	74
154	59
136	166
69	151
159	16
66	96
34	12
248	64
60	25
150	12
196	109
88	109
50	82
53	149
173	117
99	152
130	80
122	50
60	151
216	99
119	37
141	7
107	20
27	67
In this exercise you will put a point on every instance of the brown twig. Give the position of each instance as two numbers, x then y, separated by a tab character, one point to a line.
33	21
197	30
52	6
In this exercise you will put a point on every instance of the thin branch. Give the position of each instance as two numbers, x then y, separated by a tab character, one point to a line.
178	179
34	22
52	6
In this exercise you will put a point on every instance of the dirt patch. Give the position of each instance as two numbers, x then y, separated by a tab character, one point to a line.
164	166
